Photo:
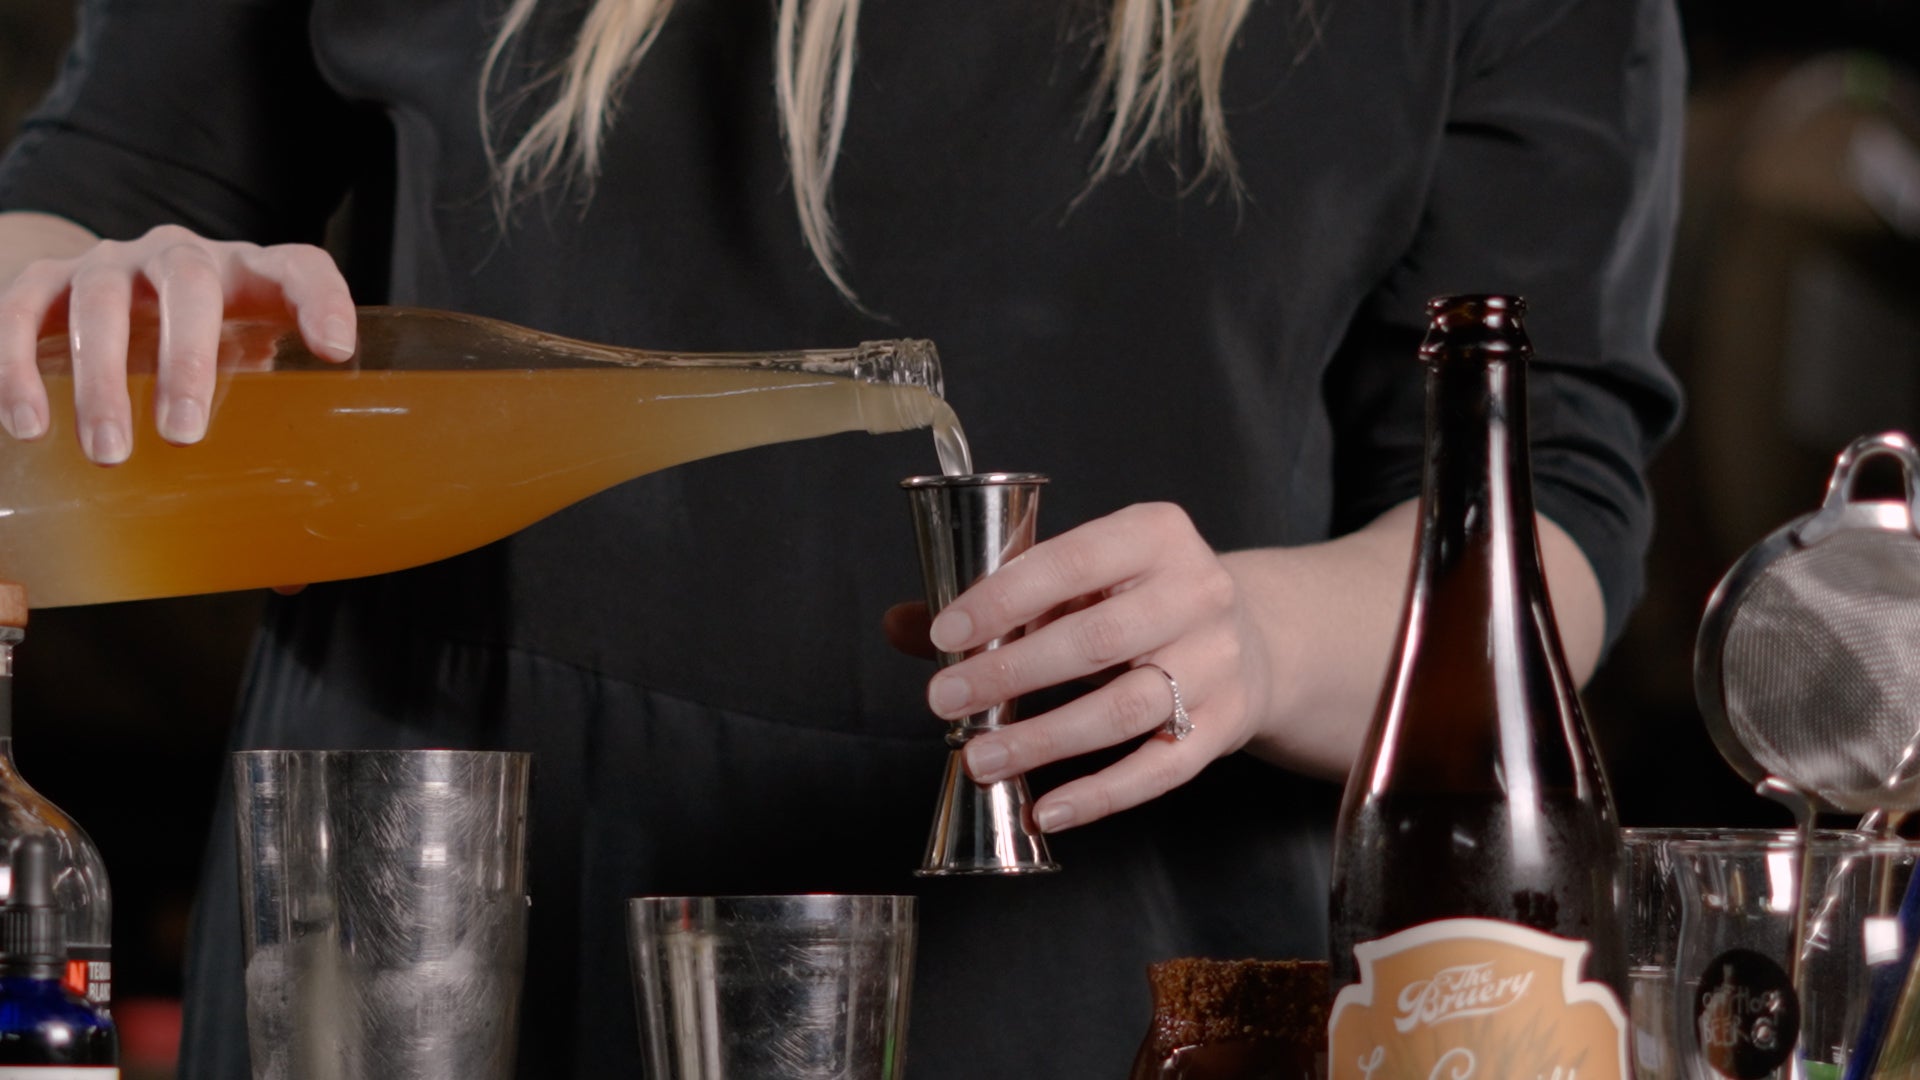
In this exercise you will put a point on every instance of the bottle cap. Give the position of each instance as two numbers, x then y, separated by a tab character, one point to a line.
30	931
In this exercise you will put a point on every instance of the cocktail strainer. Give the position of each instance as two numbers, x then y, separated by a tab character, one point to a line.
1807	670
1807	666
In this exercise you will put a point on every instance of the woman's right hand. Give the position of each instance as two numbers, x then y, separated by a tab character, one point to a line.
193	284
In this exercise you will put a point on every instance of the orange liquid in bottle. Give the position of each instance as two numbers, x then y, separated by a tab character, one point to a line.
310	473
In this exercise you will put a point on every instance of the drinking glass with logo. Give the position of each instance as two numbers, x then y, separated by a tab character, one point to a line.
1750	1001
1652	931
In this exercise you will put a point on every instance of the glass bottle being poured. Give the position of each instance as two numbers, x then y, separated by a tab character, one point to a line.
446	432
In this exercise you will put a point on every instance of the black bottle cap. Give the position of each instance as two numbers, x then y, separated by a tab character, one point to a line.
1488	324
30	932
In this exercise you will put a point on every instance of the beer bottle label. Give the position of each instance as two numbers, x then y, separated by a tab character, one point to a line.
1475	999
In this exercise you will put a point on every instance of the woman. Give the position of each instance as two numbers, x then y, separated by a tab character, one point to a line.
1174	254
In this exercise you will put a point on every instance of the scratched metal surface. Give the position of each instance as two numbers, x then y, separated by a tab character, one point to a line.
385	902
773	987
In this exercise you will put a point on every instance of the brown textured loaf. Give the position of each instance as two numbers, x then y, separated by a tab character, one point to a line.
1196	1001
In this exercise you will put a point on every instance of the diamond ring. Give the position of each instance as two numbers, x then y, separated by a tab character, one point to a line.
1179	725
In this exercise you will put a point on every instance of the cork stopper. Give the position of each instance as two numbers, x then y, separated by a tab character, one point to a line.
13	605
1203	1001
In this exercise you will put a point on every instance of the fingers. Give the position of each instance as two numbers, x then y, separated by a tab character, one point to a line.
1181	590
1126	708
24	307
1136	704
1148	773
97	319
187	281
1128	625
1133	705
1138	587
194	284
1107	553
313	290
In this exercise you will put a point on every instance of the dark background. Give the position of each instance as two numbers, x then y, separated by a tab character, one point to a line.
1794	320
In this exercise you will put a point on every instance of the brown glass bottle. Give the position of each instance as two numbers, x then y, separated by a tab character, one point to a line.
1476	812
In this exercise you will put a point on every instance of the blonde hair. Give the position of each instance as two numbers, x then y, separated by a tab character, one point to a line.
1160	59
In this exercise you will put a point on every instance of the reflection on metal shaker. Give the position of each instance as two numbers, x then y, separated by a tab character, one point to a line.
385	905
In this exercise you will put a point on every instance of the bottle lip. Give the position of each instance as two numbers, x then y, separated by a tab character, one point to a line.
1491	301
902	362
1485	324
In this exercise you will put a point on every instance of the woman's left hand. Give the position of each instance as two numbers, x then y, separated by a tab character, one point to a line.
1136	588
1280	650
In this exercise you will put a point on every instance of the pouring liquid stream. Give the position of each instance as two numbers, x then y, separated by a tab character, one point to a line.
449	432
950	442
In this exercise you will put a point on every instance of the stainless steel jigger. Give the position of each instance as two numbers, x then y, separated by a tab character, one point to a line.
968	527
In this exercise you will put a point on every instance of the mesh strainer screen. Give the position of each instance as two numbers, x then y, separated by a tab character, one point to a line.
1821	668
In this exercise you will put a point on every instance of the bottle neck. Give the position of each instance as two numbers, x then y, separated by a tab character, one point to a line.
1477	493
1480	643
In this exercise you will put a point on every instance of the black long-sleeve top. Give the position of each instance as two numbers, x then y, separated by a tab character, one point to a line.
695	656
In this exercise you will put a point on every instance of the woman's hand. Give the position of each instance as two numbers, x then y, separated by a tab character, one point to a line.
193	284
1280	651
1135	588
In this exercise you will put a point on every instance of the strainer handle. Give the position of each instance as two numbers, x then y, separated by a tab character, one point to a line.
1893	444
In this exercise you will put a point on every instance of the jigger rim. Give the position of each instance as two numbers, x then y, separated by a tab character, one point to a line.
384	751
989	479
379	750
808	901
405	765
882	911
675	897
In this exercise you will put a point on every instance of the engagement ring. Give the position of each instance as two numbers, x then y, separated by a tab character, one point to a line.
1179	725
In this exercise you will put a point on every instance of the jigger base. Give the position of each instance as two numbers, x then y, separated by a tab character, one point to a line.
991	871
984	829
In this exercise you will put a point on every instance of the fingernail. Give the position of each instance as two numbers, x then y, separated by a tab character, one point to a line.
181	420
948	694
1053	816
336	336
107	444
985	759
26	423
949	630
